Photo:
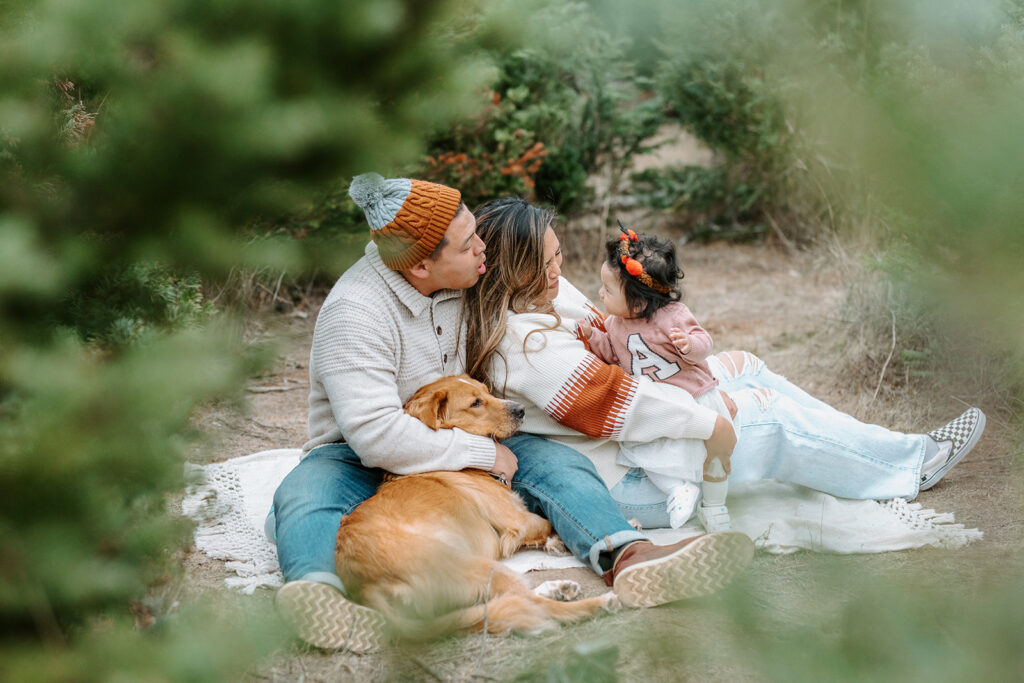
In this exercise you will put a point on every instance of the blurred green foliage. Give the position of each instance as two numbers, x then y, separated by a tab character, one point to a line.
587	662
137	300
140	143
919	628
145	145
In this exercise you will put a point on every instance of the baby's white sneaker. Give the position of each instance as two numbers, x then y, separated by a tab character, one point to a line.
681	502
714	518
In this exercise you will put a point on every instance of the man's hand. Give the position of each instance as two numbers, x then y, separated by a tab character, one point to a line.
506	464
722	440
680	340
730	404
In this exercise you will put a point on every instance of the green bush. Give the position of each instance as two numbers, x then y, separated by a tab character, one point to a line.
140	143
707	203
565	104
128	304
720	76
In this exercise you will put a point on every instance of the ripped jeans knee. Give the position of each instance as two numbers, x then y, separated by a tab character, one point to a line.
757	401
733	364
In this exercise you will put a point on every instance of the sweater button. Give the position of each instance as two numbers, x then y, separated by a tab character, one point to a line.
445	359
439	330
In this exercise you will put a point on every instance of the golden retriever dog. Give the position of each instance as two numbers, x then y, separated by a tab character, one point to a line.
424	549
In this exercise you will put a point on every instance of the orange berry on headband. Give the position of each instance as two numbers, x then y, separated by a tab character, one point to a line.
632	236
634	267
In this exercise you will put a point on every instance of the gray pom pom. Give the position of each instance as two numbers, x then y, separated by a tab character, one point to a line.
367	189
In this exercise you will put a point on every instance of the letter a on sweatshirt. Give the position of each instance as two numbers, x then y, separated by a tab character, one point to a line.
643	358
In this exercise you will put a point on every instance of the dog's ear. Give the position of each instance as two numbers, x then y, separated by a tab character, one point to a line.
431	408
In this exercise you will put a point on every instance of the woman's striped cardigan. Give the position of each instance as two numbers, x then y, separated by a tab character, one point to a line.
574	397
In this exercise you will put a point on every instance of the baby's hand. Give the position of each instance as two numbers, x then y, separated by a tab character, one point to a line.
585	328
680	340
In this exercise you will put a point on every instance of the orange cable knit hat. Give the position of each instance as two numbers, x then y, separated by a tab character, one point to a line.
408	218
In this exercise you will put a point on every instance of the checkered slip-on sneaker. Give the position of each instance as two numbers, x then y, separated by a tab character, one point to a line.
325	618
700	567
964	433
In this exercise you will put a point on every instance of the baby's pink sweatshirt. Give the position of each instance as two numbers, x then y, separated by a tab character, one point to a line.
640	346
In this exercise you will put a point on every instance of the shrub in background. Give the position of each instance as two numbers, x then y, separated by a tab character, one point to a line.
186	124
717	78
707	203
566	103
140	299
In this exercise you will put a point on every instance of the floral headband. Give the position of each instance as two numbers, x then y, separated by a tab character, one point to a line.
634	267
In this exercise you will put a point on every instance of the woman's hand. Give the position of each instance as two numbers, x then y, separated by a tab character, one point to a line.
505	464
730	404
680	340
722	440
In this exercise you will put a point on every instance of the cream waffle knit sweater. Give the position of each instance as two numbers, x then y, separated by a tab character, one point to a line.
377	340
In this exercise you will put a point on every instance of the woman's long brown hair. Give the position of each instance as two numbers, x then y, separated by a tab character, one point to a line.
515	280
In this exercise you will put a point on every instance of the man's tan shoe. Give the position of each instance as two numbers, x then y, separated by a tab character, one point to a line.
322	616
646	575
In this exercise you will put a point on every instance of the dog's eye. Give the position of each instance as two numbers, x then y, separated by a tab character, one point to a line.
477	403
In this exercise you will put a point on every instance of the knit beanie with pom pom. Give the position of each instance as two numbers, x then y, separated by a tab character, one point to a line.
408	218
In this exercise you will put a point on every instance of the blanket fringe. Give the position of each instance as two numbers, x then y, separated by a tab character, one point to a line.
940	526
224	533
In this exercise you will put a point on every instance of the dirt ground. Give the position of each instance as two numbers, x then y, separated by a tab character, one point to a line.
786	308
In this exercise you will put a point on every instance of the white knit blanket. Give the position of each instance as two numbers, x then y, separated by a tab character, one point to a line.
231	503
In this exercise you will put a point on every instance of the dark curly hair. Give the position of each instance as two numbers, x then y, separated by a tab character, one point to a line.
658	257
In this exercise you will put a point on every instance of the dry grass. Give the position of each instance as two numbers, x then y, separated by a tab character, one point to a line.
79	122
258	291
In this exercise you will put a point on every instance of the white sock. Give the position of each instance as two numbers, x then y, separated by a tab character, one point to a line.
936	454
714	493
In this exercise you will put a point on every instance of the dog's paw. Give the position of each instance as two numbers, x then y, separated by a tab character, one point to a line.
562	590
554	546
611	602
635	523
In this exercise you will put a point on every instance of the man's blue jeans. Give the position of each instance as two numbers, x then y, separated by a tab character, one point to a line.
785	433
554	480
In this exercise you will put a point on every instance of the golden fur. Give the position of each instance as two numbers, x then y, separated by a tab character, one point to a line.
423	551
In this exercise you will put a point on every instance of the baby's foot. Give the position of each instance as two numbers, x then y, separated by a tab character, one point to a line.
714	518
681	502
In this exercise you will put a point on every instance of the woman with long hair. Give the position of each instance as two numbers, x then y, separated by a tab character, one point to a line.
524	342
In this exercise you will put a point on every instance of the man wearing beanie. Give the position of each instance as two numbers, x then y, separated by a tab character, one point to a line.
390	325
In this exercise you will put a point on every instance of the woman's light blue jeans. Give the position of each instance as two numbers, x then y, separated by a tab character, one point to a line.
554	480
785	433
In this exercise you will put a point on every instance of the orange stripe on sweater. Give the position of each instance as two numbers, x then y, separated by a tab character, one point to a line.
595	398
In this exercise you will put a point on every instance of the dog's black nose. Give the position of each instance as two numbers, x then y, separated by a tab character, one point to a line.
517	411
